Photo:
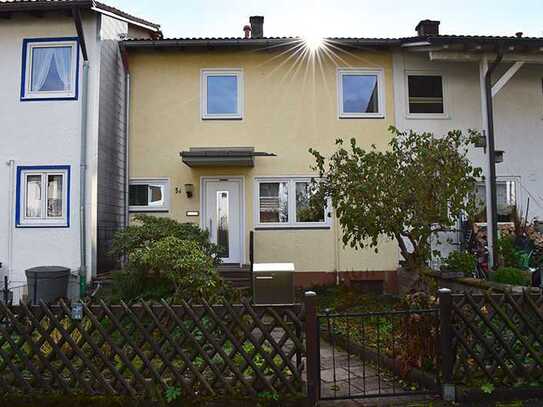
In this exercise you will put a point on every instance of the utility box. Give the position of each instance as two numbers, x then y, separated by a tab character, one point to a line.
273	283
48	283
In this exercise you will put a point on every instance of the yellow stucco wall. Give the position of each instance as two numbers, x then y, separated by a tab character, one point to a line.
288	109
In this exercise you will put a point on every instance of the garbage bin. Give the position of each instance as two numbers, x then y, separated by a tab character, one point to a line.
47	283
273	283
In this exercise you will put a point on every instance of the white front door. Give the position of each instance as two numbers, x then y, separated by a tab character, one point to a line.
222	216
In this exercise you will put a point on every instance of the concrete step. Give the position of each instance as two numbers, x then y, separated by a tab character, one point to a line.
238	277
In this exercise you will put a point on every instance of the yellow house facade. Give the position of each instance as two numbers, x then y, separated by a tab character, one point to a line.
219	132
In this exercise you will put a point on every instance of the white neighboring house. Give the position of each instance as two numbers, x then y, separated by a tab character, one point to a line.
48	112
438	86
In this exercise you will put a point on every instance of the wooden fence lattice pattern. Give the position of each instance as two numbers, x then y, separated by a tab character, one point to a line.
498	339
141	349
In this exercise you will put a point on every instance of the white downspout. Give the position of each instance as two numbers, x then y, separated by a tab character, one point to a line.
11	214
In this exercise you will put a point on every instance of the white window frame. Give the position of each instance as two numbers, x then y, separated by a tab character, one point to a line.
381	102
29	93
292	223
408	114
43	220
154	181
204	74
517	193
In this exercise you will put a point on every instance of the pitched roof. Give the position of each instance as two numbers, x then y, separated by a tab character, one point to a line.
240	42
483	42
475	39
8	6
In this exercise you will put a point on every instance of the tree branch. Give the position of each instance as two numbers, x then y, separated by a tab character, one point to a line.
401	243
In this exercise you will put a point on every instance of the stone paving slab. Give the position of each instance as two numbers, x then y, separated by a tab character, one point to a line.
355	378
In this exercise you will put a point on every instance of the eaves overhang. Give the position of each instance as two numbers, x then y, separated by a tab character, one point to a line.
268	43
473	44
41	6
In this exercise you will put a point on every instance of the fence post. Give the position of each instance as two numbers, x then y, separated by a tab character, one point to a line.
312	347
445	344
6	290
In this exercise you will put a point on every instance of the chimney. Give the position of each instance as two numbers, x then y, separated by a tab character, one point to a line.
257	26
247	31
427	27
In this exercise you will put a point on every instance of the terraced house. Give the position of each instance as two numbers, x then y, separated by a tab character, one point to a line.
102	117
62	136
220	130
441	83
219	135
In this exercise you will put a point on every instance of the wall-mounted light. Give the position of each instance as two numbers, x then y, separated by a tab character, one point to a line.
480	141
499	156
189	190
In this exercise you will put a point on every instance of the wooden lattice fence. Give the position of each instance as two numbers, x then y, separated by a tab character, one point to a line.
217	350
497	339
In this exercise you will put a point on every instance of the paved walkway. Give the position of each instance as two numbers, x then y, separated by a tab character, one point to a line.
344	375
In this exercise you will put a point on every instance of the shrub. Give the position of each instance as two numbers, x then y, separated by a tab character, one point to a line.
508	254
184	263
149	229
511	275
461	262
167	259
137	286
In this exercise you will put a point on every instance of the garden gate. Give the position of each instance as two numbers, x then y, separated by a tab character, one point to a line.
471	347
373	354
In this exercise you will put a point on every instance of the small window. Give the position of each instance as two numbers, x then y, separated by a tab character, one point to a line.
360	93
43	196
273	202
50	69
425	94
149	195
305	212
222	94
506	199
286	203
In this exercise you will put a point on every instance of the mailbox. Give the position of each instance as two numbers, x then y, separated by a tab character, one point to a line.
273	283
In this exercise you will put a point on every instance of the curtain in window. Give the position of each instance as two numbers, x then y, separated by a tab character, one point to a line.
42	58
63	59
33	196
51	68
54	196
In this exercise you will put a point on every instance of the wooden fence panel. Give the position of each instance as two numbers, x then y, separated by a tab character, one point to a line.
209	350
498	339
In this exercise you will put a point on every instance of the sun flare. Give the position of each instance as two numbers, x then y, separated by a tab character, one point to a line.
313	42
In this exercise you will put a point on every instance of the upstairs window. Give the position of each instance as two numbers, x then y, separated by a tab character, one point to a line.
50	69
425	93
360	93
146	195
42	196
222	94
285	202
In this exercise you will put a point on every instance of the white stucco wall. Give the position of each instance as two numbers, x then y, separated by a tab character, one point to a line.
518	118
37	133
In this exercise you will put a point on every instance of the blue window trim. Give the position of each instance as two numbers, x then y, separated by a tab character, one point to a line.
20	169
27	41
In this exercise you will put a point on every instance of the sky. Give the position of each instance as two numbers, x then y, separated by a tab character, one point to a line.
333	18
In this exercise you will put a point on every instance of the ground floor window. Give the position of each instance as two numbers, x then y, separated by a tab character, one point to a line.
149	194
507	200
43	196
285	202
